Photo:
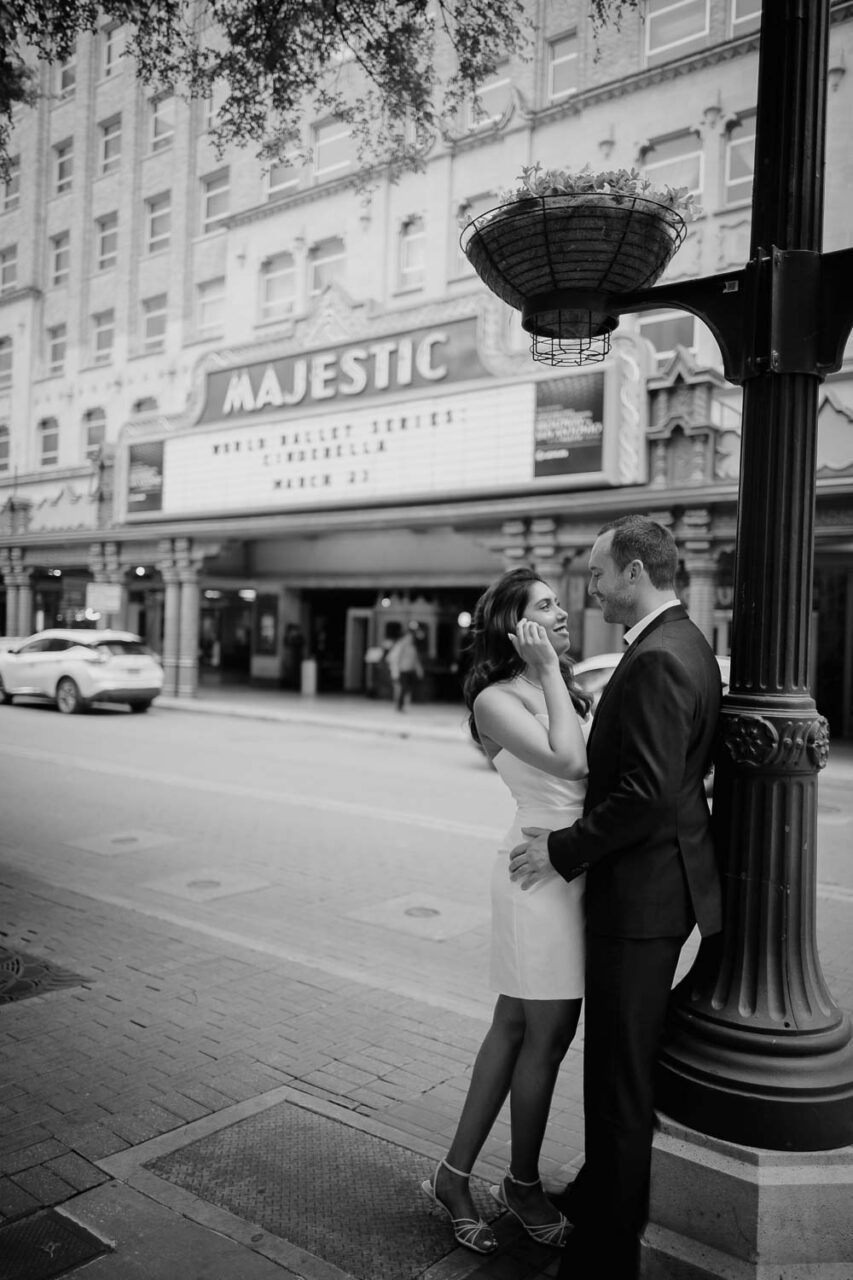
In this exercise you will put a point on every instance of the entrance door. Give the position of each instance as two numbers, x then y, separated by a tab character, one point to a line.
357	641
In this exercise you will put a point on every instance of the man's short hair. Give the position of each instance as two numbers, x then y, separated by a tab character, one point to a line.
639	538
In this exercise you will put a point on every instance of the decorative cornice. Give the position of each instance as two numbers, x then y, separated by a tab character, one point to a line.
301	196
640	80
18	295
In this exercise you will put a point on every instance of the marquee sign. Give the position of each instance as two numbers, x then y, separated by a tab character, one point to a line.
420	358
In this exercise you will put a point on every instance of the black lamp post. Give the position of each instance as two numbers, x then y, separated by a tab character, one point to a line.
757	1052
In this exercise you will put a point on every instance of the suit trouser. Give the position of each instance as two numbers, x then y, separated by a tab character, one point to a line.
628	984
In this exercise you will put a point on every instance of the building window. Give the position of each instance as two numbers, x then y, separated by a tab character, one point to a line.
94	432
162	122
562	67
8	269
48	434
5	362
66	78
57	341
666	330
60	258
278	286
412	264
64	166
107	237
332	149
210	305
147	404
103	336
740	159
673	23
12	185
490	103
111	50
676	161
746	16
282	177
327	261
159	218
216	198
4	447
154	322
111	145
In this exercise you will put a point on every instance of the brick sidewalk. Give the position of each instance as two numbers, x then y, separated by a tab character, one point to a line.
172	1029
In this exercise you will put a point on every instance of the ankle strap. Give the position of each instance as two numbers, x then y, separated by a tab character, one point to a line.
459	1172
519	1182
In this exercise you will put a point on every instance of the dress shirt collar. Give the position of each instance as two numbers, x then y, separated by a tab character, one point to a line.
639	627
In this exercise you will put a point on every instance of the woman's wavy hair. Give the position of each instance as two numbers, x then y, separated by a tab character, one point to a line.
489	651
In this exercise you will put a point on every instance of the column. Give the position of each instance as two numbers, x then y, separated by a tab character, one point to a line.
701	566
171	622
116	573
7	571
187	669
25	602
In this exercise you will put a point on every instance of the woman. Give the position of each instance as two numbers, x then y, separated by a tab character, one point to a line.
531	721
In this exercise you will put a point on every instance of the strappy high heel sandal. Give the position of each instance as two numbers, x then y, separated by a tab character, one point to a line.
554	1234
471	1233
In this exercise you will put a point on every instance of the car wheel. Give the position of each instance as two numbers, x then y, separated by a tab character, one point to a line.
4	696
138	707
68	698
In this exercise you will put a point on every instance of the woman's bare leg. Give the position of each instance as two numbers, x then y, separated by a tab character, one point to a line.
491	1077
550	1026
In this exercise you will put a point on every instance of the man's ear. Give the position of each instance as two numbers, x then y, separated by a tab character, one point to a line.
635	570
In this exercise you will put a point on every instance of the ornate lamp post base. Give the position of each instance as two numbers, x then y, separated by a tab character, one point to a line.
721	1209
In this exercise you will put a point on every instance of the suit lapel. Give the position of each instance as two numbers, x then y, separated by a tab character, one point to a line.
676	613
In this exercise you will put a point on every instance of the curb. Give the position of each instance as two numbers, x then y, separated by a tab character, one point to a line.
411	728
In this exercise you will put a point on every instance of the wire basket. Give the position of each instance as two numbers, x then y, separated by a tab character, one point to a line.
560	259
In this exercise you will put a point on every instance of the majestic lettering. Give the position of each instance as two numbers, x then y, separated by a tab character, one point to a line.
381	366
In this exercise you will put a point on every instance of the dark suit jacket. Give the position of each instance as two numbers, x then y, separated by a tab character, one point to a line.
645	837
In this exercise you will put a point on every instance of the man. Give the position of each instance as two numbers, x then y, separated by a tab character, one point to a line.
404	664
645	843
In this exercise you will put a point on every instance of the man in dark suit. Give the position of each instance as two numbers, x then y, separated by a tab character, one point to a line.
645	845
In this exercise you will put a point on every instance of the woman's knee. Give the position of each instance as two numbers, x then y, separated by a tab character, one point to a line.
509	1020
550	1030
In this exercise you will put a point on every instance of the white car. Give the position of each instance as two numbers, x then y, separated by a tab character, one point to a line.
75	668
592	674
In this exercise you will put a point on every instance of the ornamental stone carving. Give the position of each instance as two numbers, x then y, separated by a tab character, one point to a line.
758	741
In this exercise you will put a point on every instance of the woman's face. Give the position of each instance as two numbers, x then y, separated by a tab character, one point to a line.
544	607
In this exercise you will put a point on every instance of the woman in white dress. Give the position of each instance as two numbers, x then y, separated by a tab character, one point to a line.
532	722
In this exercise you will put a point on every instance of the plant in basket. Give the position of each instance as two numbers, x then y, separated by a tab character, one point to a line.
564	241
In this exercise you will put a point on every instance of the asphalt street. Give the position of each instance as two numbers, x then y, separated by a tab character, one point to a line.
267	912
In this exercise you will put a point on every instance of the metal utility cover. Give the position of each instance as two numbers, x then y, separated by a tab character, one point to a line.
23	975
340	1194
45	1245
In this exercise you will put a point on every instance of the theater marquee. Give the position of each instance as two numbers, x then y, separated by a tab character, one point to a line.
380	422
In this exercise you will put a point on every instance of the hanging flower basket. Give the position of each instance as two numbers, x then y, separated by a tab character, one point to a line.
559	257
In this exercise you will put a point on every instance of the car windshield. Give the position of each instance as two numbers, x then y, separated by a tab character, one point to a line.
121	648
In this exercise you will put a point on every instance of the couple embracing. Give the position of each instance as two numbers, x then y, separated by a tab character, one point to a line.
607	869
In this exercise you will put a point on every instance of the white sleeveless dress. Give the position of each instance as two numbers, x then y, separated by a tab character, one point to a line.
537	950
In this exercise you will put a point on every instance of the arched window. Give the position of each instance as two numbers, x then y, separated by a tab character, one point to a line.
412	263
5	362
278	286
94	432
48	433
327	263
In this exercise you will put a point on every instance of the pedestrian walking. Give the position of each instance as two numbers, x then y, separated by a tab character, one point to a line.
405	667
645	845
530	719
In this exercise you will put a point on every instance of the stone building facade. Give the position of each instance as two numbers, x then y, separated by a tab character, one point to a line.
286	420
